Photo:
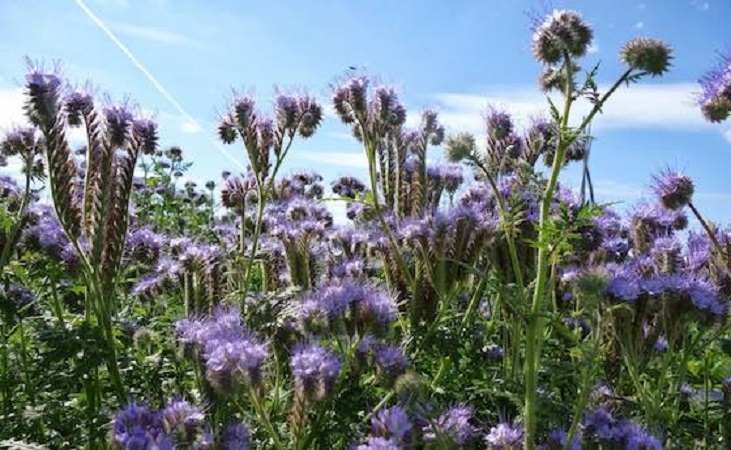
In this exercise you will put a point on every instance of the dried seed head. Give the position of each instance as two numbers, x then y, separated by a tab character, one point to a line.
460	147
561	32
648	55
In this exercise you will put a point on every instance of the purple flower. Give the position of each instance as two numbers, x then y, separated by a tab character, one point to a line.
495	352
348	187
661	344
144	244
230	364
599	422
624	285
455	425
119	120
315	370
674	189
715	98
379	443
505	436
137	427
559	437
391	362
183	420
233	355
391	423
236	436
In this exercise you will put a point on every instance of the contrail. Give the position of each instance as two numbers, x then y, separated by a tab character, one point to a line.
160	88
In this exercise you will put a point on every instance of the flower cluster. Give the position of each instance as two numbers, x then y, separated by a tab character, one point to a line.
177	425
233	356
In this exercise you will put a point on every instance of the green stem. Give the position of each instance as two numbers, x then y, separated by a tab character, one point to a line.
264	416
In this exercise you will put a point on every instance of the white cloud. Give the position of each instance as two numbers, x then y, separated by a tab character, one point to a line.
11	108
351	160
190	127
727	134
340	135
154	34
667	106
593	49
640	25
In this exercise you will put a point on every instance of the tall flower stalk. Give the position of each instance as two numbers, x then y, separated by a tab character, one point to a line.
93	211
559	42
262	136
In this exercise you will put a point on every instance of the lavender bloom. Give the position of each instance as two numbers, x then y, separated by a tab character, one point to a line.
505	436
348	187
182	420
600	423
233	355
624	285
237	191
315	370
661	344
137	427
371	306
236	436
391	423
391	362
144	244
675	190
715	97
558	438
379	443
455	425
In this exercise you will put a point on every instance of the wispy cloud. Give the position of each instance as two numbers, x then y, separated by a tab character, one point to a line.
640	25
700	5
340	135
154	34
593	48
11	108
727	134
344	159
664	106
158	86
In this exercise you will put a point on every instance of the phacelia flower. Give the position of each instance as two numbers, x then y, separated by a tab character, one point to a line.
315	370
715	97
379	443
647	55
674	189
505	436
454	424
391	423
460	147
562	31
236	436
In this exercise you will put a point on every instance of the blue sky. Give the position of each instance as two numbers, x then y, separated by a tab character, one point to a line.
455	56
